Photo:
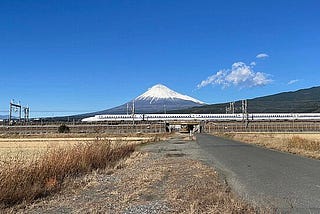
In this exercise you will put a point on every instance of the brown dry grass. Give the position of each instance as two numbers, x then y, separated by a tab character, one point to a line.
24	179
307	145
176	185
80	135
30	146
196	188
303	143
188	186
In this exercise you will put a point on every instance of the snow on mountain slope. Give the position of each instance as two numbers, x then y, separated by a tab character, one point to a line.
159	91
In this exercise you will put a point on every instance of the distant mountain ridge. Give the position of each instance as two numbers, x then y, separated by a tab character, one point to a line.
4	117
300	101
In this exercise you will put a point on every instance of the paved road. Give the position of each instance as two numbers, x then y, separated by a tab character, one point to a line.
265	177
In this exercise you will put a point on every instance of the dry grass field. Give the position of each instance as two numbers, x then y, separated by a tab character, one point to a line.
36	167
29	146
149	181
305	144
105	175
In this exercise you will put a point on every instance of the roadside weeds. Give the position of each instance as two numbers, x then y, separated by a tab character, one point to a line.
24	179
299	144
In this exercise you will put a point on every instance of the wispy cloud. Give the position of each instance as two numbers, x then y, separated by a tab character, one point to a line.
262	56
240	75
293	81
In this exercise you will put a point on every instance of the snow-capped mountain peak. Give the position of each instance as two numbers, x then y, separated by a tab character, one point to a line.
158	99
160	91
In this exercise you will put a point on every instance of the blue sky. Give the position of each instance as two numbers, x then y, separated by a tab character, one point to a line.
65	57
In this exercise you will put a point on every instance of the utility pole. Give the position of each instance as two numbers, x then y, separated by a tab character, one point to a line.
133	112
230	109
26	111
127	108
15	107
242	109
245	112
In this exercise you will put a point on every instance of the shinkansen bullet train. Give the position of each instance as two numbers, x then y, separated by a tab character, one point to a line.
205	117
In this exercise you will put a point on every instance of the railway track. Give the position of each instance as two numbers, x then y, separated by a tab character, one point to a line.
160	127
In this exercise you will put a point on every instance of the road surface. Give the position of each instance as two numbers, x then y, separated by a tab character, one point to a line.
265	177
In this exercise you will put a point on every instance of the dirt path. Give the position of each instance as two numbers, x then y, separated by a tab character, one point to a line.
158	178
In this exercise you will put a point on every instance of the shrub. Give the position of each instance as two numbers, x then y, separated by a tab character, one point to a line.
63	129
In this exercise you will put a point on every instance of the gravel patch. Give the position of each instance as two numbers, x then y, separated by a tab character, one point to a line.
154	207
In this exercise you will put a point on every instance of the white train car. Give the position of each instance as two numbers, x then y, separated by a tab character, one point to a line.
308	116
218	117
272	116
168	117
284	117
205	117
113	117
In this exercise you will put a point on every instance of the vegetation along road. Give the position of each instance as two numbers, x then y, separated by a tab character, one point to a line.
265	177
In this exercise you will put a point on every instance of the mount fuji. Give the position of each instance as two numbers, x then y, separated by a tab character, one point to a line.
158	99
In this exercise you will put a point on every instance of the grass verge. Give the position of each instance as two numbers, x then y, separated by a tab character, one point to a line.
298	142
306	145
28	179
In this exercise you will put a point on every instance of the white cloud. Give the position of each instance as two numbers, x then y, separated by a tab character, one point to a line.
240	75
218	78
292	82
262	56
253	64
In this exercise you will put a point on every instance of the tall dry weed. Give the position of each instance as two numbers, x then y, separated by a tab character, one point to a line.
22	180
298	142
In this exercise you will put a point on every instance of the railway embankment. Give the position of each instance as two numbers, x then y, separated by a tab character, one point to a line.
161	127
